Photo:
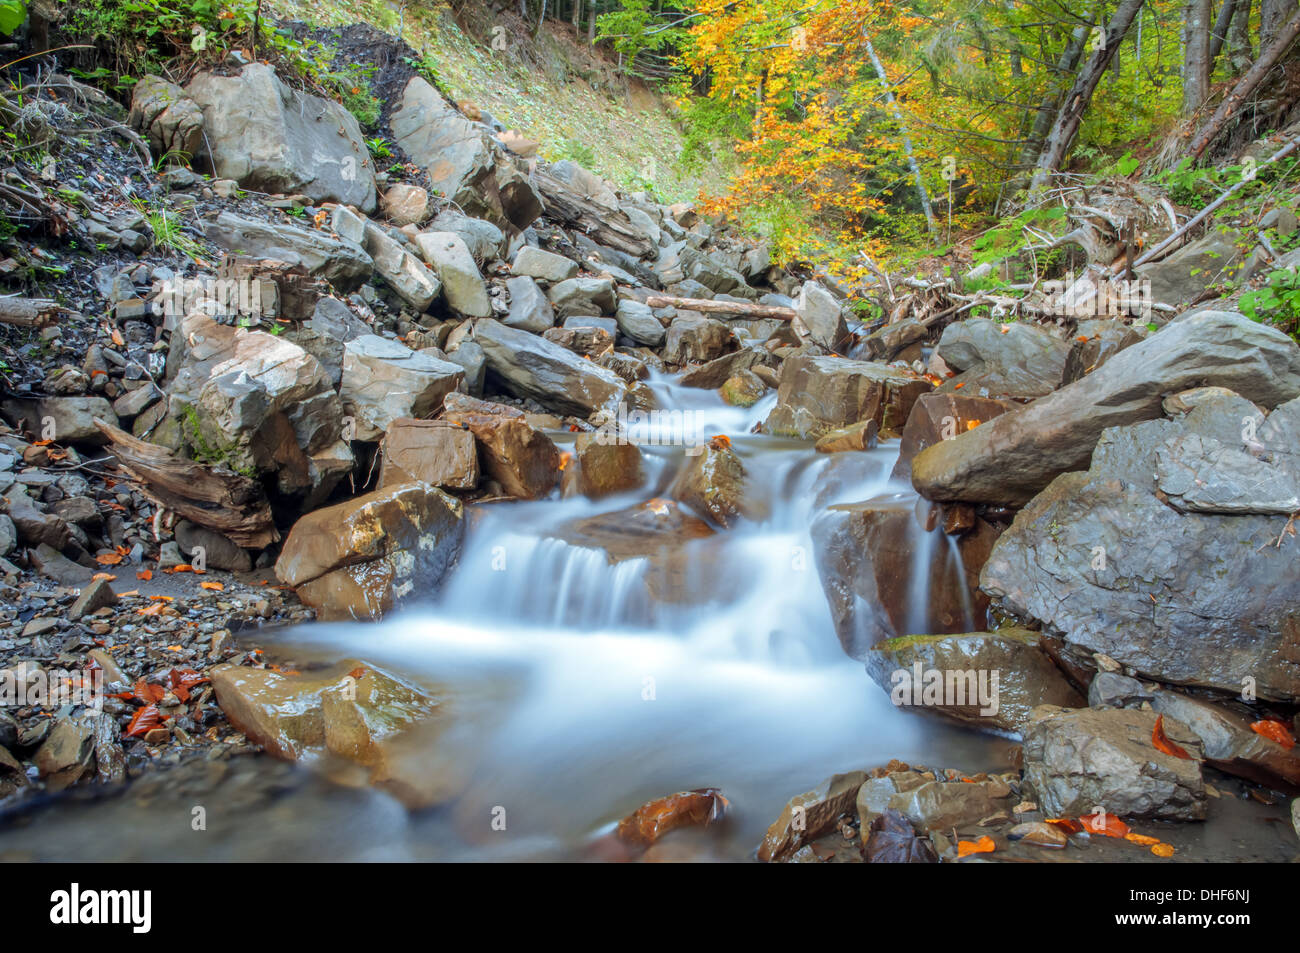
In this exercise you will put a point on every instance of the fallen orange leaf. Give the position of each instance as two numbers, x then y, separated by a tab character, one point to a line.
155	609
1274	731
143	721
145	574
984	845
163	598
1163	850
1107	824
41	443
214	586
1162	742
655	818
106	576
108	559
1143	839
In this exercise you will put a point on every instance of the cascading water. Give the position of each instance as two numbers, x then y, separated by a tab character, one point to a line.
575	689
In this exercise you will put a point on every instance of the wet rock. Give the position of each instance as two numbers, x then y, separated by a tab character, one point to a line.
274	139
384	381
214	549
529	308
531	366
892	839
524	461
1081	760
693	338
879	790
110	759
12	775
583	296
897	341
166	117
605	466
820	394
1039	834
638	322
547	266
715	373
1002	360
1113	690
343	263
713	484
1198	473
361	558
819	318
462	285
859	549
98	595
943	805
437	452
402	271
67	754
990	680
936	417
1229	742
1013	457
859	436
743	389
810	815
1184	598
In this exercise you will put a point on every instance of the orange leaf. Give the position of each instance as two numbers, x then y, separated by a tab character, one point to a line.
155	609
1143	839
1274	731
41	443
653	819
143	721
117	337
1067	824
1162	742
720	442
163	598
149	693
959	386
145	574
1163	850
214	586
106	576
357	672
108	559
1107	824
984	845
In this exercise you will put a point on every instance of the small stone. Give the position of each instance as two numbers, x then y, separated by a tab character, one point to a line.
1040	834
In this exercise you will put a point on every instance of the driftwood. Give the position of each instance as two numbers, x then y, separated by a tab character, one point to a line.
221	500
29	312
608	227
741	309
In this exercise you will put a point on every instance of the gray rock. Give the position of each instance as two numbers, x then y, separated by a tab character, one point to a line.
819	317
1113	690
1009	459
470	356
583	296
214	549
529	308
544	265
385	380
638	322
693	338
168	118
405	274
342	263
1088	759
462	284
821	394
484	240
271	138
531	366
98	595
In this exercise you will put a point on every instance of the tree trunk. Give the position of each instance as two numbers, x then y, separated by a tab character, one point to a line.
1070	115
1196	55
30	312
1240	51
591	24
1067	64
577	16
709	306
1273	17
907	140
1232	103
1219	35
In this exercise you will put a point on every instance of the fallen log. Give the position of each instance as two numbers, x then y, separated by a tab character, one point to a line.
29	312
220	500
742	309
608	227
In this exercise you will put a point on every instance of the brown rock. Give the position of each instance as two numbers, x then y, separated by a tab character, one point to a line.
810	815
713	483
604	466
937	417
524	461
821	394
436	452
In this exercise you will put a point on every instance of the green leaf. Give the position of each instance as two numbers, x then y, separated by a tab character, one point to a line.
12	15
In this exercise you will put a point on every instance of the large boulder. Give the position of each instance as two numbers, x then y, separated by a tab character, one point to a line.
638	322
693	338
530	366
343	263
583	296
821	394
819	318
530	310
523	460
462	162
1084	760
323	335
989	680
885	576
713	484
402	271
385	380
1002	360
271	138
1105	557
167	118
359	559
436	452
1013	457
938	416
